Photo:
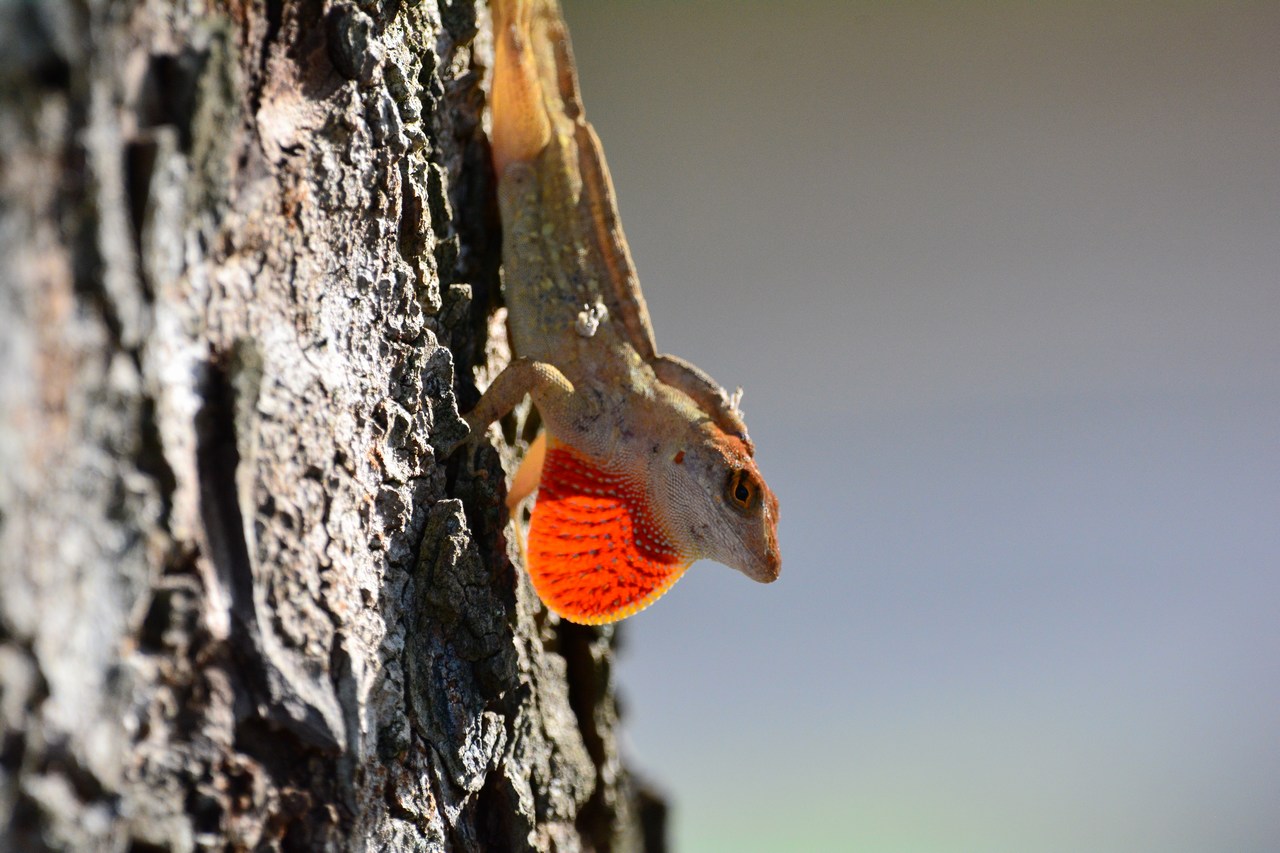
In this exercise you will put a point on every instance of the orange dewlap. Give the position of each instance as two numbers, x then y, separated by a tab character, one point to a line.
596	554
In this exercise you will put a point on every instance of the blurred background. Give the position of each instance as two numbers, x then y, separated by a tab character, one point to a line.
1002	282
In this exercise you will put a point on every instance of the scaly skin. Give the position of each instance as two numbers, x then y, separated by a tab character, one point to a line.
648	466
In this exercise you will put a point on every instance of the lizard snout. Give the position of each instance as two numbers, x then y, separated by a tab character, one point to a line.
767	569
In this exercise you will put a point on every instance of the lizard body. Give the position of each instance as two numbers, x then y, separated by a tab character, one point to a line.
646	465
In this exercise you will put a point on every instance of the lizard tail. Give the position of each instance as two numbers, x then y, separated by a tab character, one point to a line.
535	96
521	126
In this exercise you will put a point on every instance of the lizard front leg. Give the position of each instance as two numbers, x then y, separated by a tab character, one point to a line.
566	413
563	411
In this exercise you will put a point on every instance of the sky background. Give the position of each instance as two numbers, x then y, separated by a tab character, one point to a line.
1002	282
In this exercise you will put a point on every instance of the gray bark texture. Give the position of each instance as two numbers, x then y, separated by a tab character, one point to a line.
248	256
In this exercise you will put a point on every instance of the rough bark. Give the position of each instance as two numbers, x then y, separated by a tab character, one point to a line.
247	601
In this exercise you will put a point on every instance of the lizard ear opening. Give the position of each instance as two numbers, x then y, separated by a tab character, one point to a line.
595	553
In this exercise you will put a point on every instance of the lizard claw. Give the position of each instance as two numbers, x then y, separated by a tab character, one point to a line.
449	448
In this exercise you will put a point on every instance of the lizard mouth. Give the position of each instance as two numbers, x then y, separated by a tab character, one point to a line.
771	567
764	565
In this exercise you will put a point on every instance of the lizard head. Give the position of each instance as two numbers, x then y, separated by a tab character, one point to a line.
715	505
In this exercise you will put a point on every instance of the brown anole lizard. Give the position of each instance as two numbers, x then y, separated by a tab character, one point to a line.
644	465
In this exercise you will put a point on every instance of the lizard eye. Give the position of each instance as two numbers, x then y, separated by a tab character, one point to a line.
741	489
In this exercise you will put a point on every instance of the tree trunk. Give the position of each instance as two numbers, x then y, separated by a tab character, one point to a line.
247	601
